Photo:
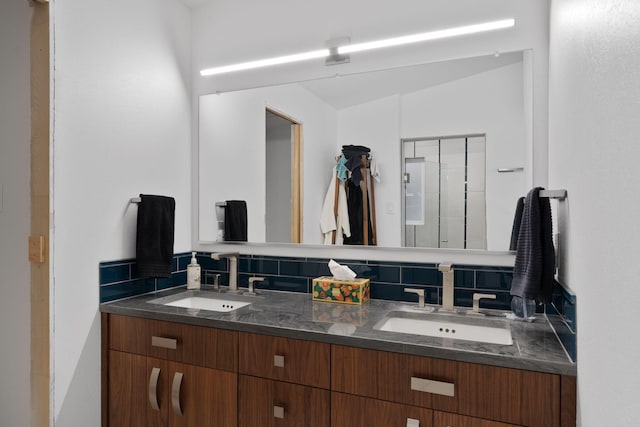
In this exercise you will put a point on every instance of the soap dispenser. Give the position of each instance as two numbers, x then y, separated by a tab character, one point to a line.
193	273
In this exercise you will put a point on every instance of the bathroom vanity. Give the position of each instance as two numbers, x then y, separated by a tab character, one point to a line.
284	360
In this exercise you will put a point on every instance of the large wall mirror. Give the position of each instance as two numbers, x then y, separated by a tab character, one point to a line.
452	133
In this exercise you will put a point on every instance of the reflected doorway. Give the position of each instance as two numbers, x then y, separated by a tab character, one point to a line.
283	213
444	203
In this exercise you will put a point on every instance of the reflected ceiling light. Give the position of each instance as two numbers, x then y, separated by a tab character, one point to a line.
359	47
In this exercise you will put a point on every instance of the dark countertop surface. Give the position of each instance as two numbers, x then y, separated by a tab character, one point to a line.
535	345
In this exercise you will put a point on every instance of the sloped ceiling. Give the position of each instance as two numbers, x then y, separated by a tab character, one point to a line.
346	91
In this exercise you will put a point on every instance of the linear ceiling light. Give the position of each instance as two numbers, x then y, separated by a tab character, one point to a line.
359	47
432	35
322	53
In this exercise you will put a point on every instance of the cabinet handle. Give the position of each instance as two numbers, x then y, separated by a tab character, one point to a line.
412	422
430	386
278	361
153	388
164	342
278	412
175	393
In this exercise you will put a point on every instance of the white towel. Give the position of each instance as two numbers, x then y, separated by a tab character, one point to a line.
328	222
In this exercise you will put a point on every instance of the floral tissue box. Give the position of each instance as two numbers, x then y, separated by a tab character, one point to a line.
347	292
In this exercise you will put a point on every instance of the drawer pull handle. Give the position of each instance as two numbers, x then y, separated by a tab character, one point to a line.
278	412
175	393
164	342
153	388
430	386
278	361
412	422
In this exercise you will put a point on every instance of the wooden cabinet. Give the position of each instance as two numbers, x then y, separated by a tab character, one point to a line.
149	385
163	374
507	395
355	411
284	381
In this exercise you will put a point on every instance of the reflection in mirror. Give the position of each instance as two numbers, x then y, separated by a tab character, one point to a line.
383	110
444	197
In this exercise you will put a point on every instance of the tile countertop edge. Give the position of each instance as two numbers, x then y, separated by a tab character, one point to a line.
492	359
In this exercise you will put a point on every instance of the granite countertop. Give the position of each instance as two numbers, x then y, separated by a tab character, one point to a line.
535	345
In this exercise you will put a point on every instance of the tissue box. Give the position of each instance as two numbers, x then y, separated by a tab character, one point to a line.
347	292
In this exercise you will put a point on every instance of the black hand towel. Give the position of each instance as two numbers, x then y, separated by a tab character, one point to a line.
517	220
154	236
235	221
535	256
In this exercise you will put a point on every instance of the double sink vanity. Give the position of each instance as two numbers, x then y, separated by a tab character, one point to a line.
219	358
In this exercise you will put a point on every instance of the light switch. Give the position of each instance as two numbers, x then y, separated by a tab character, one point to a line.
390	208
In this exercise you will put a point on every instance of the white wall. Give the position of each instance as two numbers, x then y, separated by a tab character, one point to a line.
121	127
224	33
232	155
490	103
594	151
15	398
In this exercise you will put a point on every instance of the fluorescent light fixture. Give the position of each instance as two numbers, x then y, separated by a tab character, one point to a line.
432	35
359	47
322	53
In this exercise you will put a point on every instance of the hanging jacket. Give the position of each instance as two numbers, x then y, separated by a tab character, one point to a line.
328	221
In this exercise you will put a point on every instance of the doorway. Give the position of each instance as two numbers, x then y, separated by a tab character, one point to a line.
283	178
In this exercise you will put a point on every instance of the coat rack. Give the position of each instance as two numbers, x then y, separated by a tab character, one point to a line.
367	190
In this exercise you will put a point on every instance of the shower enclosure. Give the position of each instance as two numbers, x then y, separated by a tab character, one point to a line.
444	202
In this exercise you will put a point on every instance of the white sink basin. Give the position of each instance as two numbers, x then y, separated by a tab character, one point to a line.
213	302
443	326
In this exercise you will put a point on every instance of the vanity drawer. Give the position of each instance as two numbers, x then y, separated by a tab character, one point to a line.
285	359
445	419
196	345
354	411
264	402
508	395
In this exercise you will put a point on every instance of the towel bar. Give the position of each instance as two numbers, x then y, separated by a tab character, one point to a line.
135	200
553	194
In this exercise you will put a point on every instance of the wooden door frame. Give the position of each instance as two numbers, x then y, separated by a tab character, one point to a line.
39	246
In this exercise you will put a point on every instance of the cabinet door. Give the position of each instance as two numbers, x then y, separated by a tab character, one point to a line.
201	397
132	381
269	403
285	359
445	419
354	411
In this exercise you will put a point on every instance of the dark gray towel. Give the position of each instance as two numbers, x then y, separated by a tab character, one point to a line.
235	221
515	228
535	256
154	235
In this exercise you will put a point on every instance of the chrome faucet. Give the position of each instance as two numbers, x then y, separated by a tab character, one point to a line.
233	267
446	268
419	292
252	281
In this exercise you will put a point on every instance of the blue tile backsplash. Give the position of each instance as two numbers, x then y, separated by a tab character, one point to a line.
119	279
